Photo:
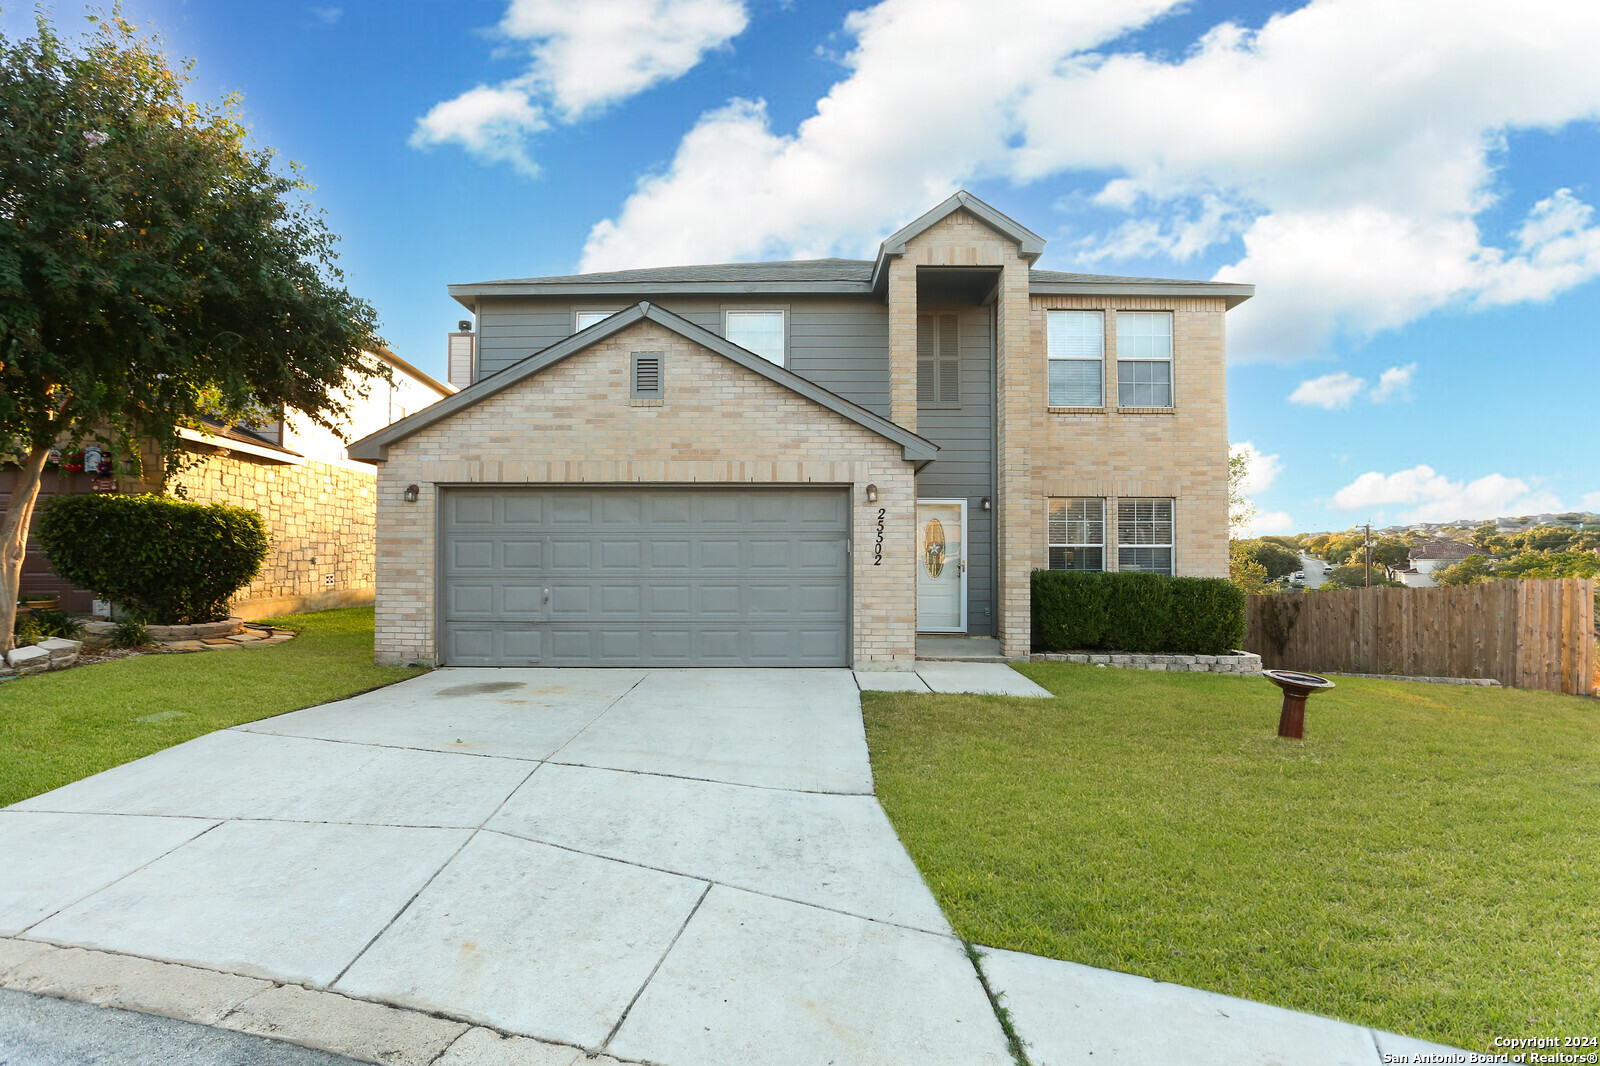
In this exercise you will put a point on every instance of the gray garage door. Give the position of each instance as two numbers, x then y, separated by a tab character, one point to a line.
646	577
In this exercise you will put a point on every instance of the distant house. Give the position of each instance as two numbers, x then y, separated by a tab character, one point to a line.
318	505
1431	555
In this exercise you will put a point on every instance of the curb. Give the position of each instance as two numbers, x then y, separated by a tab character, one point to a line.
364	1029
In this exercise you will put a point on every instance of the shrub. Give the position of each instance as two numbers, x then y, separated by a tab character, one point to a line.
42	623
130	633
1136	612
169	561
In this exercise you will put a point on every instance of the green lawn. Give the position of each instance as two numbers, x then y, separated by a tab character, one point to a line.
57	728
1424	862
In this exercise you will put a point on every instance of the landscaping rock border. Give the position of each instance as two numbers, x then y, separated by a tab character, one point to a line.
52	653
1236	662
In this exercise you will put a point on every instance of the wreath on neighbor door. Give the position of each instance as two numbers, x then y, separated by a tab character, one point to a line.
933	553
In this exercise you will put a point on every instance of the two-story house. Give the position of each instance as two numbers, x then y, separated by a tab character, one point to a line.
799	463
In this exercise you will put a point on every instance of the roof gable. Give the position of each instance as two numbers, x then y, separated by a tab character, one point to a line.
1029	244
374	448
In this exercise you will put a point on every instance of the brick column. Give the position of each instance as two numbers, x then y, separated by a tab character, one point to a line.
903	342
1019	377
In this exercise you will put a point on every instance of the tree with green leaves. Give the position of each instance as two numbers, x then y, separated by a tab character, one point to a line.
155	268
1469	571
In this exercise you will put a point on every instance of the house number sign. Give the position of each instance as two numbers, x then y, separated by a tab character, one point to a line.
877	545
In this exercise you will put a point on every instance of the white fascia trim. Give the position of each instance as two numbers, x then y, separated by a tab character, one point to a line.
240	446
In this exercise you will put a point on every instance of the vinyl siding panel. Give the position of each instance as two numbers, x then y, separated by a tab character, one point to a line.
965	467
840	342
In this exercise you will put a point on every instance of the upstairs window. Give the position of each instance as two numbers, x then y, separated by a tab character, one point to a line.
1144	359
760	332
1075	342
1144	535
1078	534
582	320
938	361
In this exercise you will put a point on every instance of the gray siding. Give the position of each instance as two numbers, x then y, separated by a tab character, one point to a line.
840	342
965	467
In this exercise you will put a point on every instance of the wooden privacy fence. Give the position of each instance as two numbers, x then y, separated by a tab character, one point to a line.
1528	633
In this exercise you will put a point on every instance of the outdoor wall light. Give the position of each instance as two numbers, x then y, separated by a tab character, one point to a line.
872	494
987	504
411	494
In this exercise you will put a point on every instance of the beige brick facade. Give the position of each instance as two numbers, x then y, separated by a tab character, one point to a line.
321	520
574	423
1180	452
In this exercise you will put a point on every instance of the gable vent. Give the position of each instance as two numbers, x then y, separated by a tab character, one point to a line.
647	376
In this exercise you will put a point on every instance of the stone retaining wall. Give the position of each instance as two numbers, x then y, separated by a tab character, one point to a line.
1239	662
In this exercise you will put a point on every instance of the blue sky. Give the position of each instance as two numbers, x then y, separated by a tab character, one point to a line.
1408	185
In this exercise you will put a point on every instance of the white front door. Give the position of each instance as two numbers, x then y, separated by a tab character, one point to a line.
942	566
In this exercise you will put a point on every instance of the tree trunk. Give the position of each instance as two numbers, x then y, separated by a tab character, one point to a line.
14	540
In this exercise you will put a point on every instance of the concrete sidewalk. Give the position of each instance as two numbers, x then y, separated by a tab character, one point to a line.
932	675
1065	1014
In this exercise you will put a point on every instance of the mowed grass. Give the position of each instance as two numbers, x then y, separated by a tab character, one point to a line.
1424	862
59	727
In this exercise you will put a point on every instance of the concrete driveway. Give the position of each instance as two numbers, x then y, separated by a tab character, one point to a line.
678	866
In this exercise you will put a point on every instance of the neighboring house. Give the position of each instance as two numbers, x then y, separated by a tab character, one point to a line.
317	504
799	463
1431	555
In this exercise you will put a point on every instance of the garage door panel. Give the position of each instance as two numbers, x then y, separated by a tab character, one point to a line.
669	601
474	509
522	554
523	509
720	554
521	599
621	601
568	554
645	576
621	555
475	553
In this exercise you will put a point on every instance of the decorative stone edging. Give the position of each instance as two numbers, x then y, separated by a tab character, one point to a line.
99	632
52	653
311	1017
1486	682
1238	662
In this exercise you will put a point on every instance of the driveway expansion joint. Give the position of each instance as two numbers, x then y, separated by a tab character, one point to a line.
708	780
654	969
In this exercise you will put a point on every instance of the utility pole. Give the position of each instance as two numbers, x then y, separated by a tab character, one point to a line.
1368	546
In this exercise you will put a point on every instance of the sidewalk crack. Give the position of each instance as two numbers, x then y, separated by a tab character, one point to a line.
652	976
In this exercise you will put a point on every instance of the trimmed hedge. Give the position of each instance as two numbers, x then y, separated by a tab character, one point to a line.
166	561
1135	612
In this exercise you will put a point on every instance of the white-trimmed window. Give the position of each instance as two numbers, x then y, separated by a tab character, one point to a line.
1144	535
1075	342
757	331
1144	358
1077	534
582	320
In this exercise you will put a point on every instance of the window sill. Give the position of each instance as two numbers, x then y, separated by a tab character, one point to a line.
1076	410
647	403
1147	410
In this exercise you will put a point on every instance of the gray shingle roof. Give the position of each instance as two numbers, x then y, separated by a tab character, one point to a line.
786	270
802	270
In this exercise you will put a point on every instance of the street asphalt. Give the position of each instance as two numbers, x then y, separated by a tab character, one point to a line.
40	1031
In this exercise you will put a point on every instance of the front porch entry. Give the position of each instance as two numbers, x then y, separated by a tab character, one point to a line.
941	566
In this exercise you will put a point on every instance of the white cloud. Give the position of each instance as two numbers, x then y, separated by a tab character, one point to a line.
1266	523
1591	501
1348	145
328	16
490	123
914	118
1329	392
1432	497
583	57
1394	383
1261	470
